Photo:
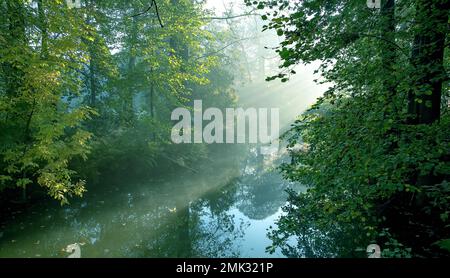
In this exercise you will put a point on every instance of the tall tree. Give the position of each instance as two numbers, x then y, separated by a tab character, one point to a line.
363	154
431	21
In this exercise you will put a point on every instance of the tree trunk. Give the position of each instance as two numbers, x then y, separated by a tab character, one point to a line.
184	247
128	100
16	38
43	26
92	64
388	45
92	81
424	101
152	100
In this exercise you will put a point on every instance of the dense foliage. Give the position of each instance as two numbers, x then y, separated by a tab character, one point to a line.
375	148
87	91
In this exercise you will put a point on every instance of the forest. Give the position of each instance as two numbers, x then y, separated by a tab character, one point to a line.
88	167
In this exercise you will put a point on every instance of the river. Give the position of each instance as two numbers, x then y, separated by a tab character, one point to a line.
216	212
222	209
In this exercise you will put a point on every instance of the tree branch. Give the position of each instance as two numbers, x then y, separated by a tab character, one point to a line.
222	48
152	3
385	40
230	17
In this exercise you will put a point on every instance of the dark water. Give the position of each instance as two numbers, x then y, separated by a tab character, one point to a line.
224	210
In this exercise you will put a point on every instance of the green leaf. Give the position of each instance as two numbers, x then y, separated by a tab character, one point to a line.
444	244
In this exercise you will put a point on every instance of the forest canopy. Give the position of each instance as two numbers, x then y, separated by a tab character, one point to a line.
85	89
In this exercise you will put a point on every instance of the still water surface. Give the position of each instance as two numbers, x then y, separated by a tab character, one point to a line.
224	210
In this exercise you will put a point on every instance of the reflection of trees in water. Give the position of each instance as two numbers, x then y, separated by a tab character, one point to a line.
222	199
304	233
200	229
187	216
217	234
313	243
132	225
262	189
184	215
